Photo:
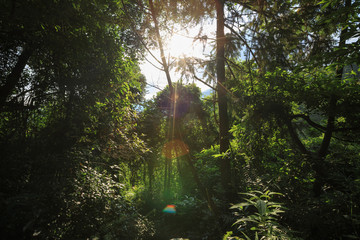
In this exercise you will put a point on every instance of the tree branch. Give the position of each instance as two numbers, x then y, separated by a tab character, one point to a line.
244	41
309	121
14	77
294	136
203	82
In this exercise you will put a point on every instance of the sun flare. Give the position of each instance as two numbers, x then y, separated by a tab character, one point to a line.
182	46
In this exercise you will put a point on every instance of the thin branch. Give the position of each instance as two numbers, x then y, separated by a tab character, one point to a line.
249	7
24	92
346	140
137	34
215	80
202	81
244	41
154	86
310	122
345	129
161	69
231	71
233	63
320	127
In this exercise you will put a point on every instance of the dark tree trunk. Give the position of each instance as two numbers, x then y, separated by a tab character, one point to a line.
319	165
14	77
225	169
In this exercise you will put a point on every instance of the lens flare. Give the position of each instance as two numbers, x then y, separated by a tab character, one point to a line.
175	148
169	209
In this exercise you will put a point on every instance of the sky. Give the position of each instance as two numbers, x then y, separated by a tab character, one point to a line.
181	43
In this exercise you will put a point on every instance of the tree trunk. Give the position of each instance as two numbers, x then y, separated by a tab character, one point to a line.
163	59
225	168
319	165
14	77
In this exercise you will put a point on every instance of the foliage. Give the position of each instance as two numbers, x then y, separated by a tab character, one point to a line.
85	156
264	221
208	168
97	208
69	79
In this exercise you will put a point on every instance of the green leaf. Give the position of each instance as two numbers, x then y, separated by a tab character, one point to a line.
262	207
217	155
240	205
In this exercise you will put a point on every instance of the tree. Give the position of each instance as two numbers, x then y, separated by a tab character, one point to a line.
69	81
224	138
292	125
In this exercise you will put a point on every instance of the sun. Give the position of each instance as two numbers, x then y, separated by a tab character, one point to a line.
181	46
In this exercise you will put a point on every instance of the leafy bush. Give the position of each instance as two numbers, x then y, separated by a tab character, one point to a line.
260	217
97	208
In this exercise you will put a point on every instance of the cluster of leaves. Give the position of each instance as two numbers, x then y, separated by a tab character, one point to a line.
264	221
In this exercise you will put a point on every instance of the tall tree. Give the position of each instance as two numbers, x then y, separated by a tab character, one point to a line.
292	44
224	136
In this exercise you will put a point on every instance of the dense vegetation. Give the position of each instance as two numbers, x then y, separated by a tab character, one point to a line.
271	153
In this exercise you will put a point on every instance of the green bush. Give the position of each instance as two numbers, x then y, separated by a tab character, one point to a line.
259	217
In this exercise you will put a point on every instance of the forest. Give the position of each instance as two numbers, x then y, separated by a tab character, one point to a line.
270	152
